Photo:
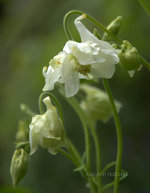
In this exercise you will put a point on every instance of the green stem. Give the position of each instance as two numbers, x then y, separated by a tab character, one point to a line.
98	156
145	6
145	62
72	101
97	23
119	136
107	167
68	156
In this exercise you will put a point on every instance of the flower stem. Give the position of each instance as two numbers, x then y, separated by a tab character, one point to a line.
98	156
119	136
97	23
72	101
145	6
145	62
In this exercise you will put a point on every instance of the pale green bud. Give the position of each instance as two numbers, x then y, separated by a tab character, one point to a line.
22	133
96	104
47	130
113	27
129	57
19	165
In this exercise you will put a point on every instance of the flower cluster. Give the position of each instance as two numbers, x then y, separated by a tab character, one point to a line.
90	58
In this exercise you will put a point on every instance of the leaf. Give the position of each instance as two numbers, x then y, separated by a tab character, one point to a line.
80	168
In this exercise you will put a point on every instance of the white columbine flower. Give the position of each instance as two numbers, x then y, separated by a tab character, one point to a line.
47	130
90	58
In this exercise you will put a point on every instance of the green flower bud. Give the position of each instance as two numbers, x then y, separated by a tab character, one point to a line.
96	105
129	57
113	27
47	130
22	133
19	165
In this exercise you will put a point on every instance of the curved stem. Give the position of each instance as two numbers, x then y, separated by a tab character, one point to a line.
107	167
97	23
98	156
119	136
145	6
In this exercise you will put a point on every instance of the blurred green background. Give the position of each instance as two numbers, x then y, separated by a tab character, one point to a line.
31	32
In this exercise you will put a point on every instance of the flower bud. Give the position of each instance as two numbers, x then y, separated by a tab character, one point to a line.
129	57
113	27
47	130
19	165
96	105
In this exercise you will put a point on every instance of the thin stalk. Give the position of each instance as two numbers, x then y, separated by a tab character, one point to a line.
82	117
98	156
107	167
119	136
145	62
97	23
145	6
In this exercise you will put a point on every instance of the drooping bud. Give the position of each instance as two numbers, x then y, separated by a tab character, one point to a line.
47	130
19	165
113	27
96	104
129	57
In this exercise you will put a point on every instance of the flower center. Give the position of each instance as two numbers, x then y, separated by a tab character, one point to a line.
82	69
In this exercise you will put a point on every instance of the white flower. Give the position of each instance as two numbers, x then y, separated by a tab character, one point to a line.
47	130
90	58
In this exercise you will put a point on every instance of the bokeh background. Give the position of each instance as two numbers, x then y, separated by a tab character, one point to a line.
31	32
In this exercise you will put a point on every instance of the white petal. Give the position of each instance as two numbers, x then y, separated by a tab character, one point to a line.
86	53
51	77
60	57
105	69
70	77
86	35
35	137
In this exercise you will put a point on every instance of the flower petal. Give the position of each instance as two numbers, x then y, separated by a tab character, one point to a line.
51	77
70	77
105	69
86	53
86	35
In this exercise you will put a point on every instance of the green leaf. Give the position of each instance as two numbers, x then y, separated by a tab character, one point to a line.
81	167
